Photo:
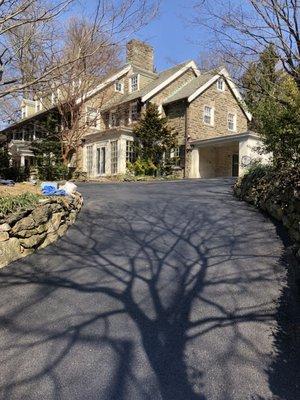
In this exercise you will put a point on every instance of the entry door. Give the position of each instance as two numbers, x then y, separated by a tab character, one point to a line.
101	156
235	165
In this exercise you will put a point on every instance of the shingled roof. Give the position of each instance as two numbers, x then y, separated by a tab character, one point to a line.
161	78
191	87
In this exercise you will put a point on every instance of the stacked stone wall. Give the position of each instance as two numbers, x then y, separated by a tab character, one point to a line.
24	232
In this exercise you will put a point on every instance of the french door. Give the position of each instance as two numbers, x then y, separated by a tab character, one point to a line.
101	158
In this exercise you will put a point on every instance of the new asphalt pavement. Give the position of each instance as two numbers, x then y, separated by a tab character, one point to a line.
166	290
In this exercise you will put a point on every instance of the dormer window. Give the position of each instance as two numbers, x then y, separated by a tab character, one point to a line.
134	83
221	84
38	105
55	97
119	87
24	112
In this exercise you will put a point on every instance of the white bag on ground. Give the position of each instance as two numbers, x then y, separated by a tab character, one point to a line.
69	187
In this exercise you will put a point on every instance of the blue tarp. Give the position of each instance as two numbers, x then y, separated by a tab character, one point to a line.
51	190
7	182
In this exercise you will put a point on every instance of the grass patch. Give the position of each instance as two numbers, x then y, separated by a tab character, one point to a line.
9	204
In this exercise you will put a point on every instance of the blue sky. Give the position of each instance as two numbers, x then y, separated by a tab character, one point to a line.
170	33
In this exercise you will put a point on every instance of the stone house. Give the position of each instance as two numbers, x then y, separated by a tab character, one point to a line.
205	108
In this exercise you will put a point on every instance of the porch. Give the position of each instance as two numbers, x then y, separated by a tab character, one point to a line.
225	156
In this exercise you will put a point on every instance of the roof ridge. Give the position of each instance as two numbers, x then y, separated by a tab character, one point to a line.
183	86
175	66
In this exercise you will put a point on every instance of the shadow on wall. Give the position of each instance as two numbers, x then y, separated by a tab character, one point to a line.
153	268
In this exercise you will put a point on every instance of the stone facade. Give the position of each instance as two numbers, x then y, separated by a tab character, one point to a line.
176	114
222	103
24	232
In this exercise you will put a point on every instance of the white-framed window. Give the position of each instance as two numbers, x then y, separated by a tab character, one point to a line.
134	83
92	116
114	157
38	105
89	159
208	115
175	155
113	119
133	112
221	84
24	112
119	87
130	153
55	97
231	122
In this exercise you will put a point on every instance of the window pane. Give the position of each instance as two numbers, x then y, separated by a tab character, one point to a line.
231	122
208	115
130	155
114	156
220	84
134	83
134	112
89	159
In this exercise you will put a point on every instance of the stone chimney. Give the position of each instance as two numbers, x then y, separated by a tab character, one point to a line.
140	54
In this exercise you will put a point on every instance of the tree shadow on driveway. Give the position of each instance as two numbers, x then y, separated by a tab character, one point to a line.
132	288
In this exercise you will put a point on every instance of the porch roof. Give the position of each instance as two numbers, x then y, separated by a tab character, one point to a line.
219	140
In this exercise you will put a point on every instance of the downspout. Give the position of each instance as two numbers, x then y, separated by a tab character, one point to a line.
186	138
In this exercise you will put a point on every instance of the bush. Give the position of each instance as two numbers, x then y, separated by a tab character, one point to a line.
264	183
9	204
54	172
142	167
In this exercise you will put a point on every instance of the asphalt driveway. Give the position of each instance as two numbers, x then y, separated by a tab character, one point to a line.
159	291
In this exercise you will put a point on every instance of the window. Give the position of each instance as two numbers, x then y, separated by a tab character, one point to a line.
221	84
175	156
17	135
89	159
38	105
55	97
231	122
24	112
114	156
92	116
208	116
130	154
133	113
119	87
134	83
113	120
101	160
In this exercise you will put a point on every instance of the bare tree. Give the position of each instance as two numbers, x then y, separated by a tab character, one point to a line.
243	29
22	32
90	50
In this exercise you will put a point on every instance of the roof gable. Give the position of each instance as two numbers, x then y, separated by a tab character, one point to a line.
200	84
156	85
168	76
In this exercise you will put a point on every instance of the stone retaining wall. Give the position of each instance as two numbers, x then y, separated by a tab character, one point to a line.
278	194
23	232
